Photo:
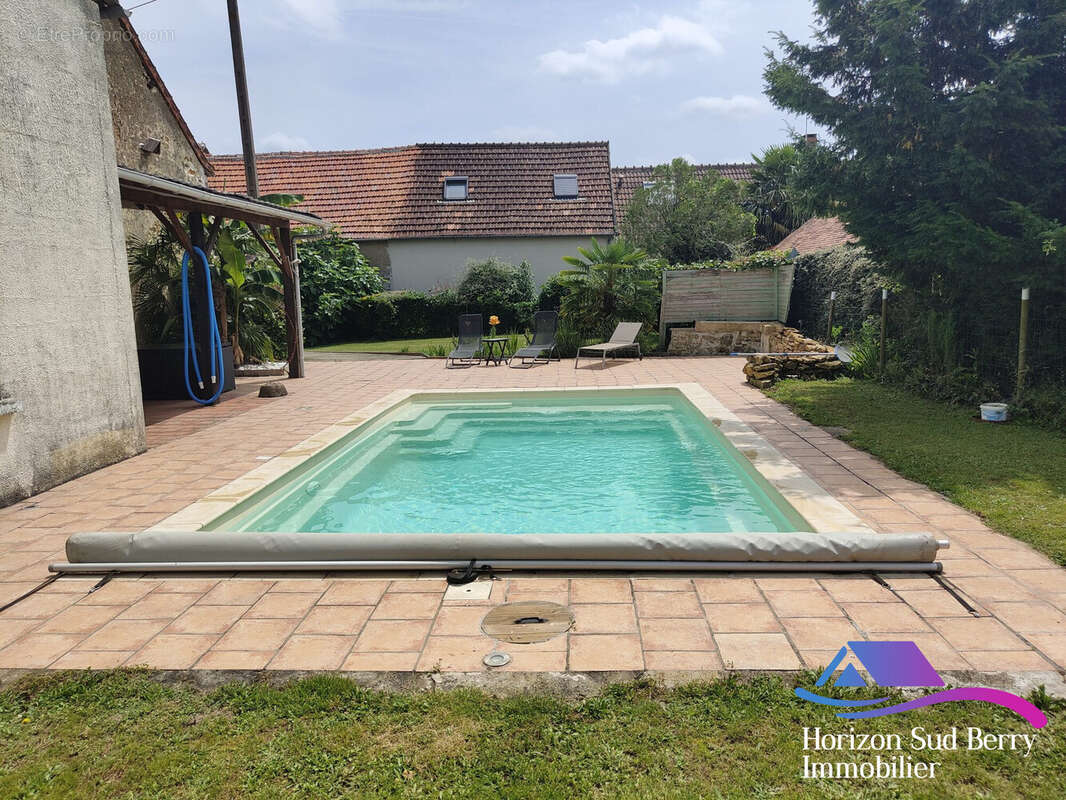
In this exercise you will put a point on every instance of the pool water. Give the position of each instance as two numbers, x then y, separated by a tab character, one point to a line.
538	462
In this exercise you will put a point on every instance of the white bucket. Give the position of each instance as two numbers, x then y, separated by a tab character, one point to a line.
994	412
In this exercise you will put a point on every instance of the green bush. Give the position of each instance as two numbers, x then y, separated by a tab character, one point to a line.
551	293
493	286
334	275
845	270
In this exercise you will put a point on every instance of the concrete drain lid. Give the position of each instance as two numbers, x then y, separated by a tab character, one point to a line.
528	622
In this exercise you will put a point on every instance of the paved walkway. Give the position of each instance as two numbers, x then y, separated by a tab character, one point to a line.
409	622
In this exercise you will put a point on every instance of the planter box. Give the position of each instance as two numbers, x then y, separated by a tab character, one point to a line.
162	372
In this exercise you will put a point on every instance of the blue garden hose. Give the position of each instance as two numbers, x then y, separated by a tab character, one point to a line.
215	346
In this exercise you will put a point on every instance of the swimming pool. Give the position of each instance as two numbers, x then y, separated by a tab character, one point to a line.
639	477
614	462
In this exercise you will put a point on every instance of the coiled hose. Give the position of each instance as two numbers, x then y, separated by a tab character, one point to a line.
215	346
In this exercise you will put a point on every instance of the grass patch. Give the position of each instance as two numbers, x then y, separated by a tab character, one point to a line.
122	735
1012	475
430	345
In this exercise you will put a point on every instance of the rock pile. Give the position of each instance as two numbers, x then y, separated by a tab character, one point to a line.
764	371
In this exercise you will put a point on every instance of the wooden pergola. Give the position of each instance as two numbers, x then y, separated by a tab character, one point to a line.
166	198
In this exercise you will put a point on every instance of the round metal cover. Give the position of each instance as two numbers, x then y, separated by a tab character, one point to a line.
527	622
496	659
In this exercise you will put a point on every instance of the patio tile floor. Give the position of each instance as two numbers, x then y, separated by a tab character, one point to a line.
376	622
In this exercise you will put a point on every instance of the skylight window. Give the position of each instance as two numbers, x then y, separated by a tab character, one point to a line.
566	186
455	188
649	184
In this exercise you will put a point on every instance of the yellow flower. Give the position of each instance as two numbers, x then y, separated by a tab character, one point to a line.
494	320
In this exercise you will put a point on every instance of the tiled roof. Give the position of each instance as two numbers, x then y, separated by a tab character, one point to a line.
396	192
626	180
817	233
168	98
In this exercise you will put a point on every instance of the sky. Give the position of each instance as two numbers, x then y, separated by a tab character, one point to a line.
657	80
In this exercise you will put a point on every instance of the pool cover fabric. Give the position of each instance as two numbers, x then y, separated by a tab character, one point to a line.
217	546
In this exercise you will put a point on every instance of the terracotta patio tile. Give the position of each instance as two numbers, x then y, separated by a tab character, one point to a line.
184	585
682	661
92	659
1042	580
206	619
667	604
604	618
173	651
675	634
354	592
40	606
727	589
380	662
1053	645
236	593
312	652
536	597
37	650
256	634
820	634
302	585
124	634
596	652
876	618
973	633
662	584
282	605
741	618
601	590
80	619
818	659
235	659
459	621
1007	660
1030	617
756	651
117	592
339	620
805	603
533	661
421	585
11	629
166	605
559	588
792	583
391	636
407	605
935	603
455	653
1016	559
861	589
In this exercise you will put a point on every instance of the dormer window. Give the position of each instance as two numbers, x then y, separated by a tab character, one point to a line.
565	187
455	188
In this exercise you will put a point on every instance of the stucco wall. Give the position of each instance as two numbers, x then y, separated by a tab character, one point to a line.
429	263
139	112
66	324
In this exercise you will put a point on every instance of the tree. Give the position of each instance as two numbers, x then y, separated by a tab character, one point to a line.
683	218
948	121
773	195
607	285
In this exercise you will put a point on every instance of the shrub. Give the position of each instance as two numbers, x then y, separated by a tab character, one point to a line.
551	293
845	270
493	286
334	275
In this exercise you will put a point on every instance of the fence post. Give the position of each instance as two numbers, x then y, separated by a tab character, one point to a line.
884	327
662	314
829	327
1023	340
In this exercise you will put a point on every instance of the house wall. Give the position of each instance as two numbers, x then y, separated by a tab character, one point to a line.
139	112
424	264
67	353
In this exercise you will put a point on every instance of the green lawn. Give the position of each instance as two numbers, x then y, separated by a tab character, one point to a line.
392	346
122	735
1013	475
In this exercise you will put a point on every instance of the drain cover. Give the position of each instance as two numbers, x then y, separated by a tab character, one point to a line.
496	659
528	622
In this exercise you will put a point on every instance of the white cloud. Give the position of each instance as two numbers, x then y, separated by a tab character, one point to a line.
739	105
282	141
636	53
523	133
321	16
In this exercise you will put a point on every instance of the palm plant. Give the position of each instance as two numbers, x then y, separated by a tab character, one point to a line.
155	278
253	295
608	284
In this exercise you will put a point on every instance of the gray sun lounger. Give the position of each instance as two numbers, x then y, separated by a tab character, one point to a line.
624	336
470	328
545	324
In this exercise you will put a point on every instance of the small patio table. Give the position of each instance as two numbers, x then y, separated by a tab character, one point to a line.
492	356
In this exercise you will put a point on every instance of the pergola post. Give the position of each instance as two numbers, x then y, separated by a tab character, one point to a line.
290	278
